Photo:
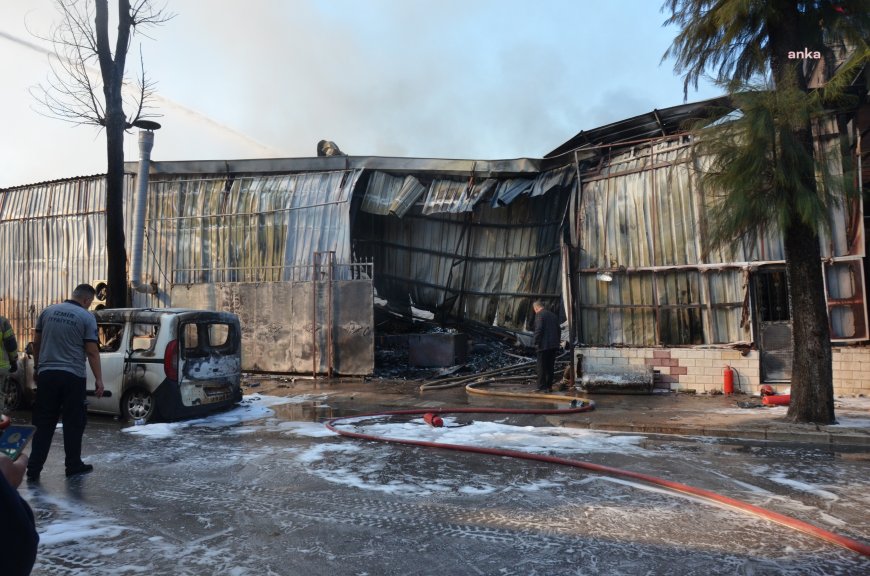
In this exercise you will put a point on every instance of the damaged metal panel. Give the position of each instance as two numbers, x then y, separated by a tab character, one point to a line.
509	190
276	320
409	193
453	196
227	229
642	209
727	302
484	266
386	194
620	312
660	122
642	220
553	179
382	188
845	235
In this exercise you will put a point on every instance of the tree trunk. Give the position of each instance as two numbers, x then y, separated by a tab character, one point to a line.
812	389
116	253
812	383
112	71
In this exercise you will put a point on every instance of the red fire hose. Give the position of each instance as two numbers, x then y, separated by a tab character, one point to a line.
794	523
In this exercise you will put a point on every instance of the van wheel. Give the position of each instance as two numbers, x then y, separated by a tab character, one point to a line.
12	397
137	404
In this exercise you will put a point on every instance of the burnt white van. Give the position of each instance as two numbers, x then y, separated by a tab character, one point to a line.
163	363
167	363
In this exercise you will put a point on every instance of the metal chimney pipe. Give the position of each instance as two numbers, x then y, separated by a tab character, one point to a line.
146	142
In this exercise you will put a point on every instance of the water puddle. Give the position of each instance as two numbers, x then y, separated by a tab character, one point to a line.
314	411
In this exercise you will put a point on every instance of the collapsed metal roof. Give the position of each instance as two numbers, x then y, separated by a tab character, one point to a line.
655	124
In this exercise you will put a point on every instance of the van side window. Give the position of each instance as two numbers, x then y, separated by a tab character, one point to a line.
110	336
144	337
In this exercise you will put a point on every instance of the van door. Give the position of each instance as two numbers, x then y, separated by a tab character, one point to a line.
112	338
209	359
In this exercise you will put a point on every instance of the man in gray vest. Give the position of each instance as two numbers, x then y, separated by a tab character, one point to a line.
66	335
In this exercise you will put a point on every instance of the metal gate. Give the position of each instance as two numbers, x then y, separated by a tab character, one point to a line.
322	326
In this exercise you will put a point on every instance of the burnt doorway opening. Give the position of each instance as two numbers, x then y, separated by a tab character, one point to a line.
773	314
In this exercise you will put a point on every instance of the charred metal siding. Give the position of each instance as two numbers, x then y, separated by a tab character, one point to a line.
642	219
455	254
207	228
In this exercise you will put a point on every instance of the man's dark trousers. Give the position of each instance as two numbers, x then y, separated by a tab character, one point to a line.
58	393
546	366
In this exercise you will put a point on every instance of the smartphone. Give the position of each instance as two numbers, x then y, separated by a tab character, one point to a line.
15	438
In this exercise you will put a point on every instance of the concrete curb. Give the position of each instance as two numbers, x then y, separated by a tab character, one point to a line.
850	438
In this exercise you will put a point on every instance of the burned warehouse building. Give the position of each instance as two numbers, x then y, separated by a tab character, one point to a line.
609	228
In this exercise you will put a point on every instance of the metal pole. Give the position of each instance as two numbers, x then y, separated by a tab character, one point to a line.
314	271
330	344
655	233
566	278
146	142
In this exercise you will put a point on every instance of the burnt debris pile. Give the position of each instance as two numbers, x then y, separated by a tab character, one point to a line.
426	350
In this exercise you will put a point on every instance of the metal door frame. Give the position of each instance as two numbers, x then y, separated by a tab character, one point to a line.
764	327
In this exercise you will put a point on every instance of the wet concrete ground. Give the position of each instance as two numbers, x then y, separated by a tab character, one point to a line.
267	491
666	413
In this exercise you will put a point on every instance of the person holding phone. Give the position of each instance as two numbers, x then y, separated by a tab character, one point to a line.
17	524
65	336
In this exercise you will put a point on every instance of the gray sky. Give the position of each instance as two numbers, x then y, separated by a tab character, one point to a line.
481	79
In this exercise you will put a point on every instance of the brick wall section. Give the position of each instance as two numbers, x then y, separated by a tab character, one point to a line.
700	369
851	371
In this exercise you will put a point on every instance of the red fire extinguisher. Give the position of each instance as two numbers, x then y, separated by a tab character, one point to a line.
728	384
433	420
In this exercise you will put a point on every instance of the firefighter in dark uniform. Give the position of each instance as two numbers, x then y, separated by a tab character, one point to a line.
547	340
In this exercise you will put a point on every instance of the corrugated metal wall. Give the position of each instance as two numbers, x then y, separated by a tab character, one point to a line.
54	238
199	229
203	229
642	219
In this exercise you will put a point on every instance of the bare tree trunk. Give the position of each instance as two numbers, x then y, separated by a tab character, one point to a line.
112	71
116	253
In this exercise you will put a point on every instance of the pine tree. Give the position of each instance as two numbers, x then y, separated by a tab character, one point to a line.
765	163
